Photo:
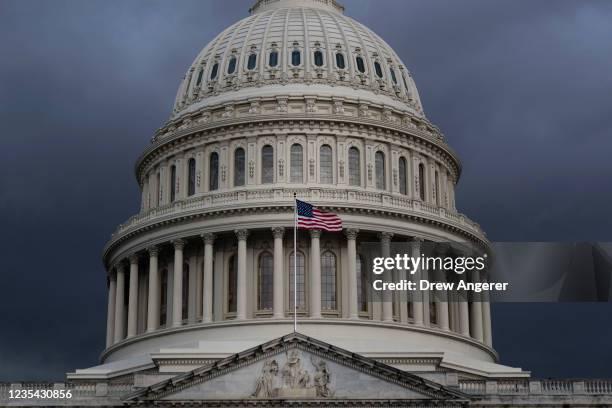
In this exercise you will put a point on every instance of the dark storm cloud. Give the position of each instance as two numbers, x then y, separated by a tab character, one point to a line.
520	88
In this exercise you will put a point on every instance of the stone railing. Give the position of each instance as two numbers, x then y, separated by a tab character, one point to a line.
537	387
263	197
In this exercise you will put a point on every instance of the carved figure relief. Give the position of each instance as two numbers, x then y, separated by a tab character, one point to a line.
294	379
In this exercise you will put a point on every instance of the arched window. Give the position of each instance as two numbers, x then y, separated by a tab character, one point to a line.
265	281
354	164
340	60
326	168
163	299
252	61
328	281
191	182
273	60
393	77
172	183
378	69
422	182
301	294
360	64
297	164
318	58
200	74
213	182
231	67
296	58
403	186
239	167
267	164
185	296
362	284
214	71
380	170
435	188
232	284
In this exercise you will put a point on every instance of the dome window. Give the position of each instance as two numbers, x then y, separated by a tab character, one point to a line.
340	60
273	60
191	177
360	64
296	58
252	61
378	69
393	77
318	58
199	80
267	165
231	67
214	71
213	172
239	167
379	162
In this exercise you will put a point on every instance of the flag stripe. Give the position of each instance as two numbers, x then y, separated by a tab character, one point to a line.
311	218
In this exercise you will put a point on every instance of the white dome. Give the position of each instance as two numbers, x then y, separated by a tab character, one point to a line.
333	53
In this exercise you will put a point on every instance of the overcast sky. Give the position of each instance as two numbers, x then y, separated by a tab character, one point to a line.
521	89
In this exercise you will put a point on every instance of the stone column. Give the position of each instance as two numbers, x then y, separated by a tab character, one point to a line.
110	315
387	298
315	274
119	302
486	318
476	312
279	287
177	286
464	314
241	306
133	297
154	299
191	299
442	303
207	297
351	245
417	296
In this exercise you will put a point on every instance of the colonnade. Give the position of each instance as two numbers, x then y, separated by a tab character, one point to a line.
443	311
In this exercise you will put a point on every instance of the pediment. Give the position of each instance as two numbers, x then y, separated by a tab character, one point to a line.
295	367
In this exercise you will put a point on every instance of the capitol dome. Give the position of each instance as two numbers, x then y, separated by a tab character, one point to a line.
285	45
295	100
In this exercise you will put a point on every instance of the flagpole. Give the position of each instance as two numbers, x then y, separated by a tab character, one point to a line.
294	262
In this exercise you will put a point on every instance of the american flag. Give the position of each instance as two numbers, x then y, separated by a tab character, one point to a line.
309	217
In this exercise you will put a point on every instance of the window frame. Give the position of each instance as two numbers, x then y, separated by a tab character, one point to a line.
296	166
263	164
239	170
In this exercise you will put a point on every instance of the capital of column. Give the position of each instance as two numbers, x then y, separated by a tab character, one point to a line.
417	240
178	244
278	232
153	250
133	259
208	238
242	234
385	236
119	266
315	233
111	275
351	233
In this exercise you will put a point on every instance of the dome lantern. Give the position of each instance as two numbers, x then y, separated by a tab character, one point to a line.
262	5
